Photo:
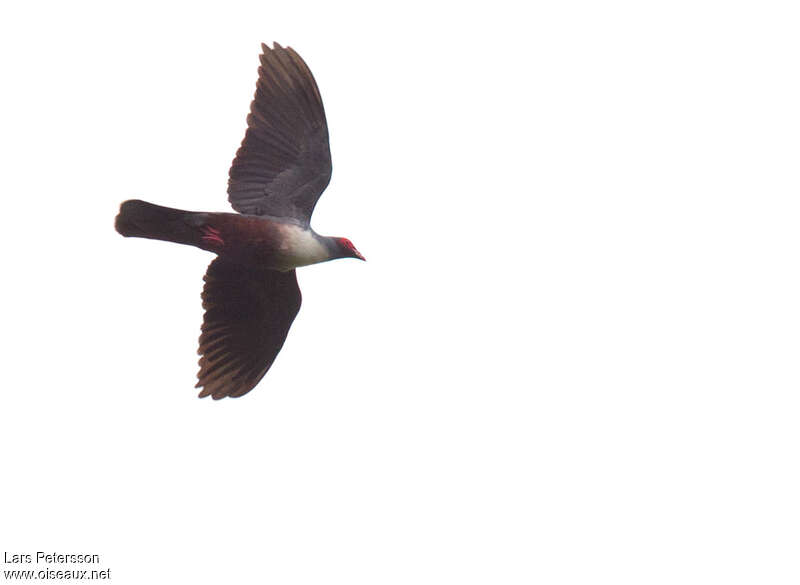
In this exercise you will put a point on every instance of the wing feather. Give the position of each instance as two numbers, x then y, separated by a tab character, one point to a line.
248	313
284	162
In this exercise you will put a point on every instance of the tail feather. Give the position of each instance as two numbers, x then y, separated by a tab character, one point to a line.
140	219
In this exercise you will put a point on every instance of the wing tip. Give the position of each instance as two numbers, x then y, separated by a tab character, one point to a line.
276	46
222	392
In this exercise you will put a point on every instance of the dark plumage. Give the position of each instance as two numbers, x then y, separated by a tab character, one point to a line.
251	295
284	163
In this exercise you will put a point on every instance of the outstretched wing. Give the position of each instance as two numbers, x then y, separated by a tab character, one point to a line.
248	315
284	163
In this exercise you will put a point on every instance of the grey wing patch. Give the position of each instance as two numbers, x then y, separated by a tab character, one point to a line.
284	162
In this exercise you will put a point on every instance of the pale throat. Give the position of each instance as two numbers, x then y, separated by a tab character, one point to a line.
300	247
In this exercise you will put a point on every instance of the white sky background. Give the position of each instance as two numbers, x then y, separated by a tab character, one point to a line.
572	355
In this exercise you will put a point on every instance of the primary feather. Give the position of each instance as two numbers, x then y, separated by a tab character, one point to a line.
284	163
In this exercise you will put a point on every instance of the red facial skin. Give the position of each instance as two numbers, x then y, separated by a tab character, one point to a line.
347	244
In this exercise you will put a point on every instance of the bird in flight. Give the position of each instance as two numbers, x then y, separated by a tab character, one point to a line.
250	294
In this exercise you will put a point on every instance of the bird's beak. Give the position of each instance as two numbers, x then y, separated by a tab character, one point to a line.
359	256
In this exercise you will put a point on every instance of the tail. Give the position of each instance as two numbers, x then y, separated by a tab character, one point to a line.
140	219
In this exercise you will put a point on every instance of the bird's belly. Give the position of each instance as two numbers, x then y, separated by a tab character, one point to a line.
264	242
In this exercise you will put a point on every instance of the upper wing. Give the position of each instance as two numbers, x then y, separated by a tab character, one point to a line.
248	315
284	163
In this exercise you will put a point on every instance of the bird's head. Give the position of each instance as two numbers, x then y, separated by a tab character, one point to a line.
346	249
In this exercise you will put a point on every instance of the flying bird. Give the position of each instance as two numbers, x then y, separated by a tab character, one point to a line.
251	296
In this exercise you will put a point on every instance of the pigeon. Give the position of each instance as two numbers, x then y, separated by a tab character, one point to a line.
251	296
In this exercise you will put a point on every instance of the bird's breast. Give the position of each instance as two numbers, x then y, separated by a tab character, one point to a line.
264	242
297	246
